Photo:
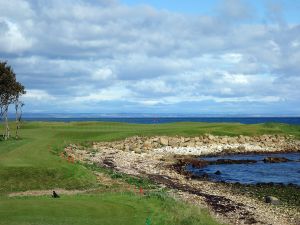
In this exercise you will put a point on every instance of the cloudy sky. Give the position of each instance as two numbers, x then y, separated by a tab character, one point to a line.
171	56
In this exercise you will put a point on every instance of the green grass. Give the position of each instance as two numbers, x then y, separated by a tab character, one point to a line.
33	163
104	209
29	163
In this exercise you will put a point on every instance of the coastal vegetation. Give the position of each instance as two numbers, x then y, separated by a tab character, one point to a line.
33	162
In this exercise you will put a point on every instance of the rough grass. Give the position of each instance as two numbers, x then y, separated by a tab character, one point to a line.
105	209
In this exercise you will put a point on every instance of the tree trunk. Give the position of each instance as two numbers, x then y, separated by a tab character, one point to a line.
7	131
18	107
17	121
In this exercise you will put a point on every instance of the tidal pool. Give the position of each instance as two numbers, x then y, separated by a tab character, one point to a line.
252	173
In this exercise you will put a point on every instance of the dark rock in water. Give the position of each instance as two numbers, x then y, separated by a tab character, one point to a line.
232	161
196	163
272	200
275	160
218	172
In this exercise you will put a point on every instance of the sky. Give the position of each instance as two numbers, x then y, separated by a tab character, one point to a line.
136	56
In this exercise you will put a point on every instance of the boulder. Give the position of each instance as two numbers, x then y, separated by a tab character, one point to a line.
218	172
191	144
164	141
272	200
231	161
275	160
198	143
147	144
174	142
224	140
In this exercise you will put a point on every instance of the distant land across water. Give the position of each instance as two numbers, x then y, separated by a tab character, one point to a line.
160	118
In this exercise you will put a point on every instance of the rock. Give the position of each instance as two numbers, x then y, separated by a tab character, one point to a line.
272	200
174	142
218	172
242	148
231	161
127	148
198	143
164	141
191	144
241	139
147	144
210	137
224	140
275	160
137	150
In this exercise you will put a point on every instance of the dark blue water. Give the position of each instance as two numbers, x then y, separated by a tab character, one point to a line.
243	120
260	172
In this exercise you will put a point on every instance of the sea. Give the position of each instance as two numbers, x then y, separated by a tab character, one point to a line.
160	119
260	172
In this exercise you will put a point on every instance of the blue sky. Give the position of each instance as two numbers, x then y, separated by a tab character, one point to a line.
172	56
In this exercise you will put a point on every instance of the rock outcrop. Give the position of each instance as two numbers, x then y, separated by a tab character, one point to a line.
202	145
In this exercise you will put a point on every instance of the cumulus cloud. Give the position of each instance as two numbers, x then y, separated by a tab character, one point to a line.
104	55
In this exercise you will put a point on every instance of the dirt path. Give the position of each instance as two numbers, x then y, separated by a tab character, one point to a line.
46	192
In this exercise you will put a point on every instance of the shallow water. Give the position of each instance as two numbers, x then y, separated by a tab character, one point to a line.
260	172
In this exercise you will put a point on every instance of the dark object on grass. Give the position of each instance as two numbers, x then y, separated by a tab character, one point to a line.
55	195
218	172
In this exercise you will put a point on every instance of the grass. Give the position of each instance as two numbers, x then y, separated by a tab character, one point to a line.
105	209
29	163
33	163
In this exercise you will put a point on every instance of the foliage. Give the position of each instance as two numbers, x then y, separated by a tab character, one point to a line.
10	92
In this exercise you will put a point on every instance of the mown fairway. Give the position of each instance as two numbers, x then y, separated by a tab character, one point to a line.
33	163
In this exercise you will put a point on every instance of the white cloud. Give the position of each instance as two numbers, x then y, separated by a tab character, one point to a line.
105	51
102	74
12	40
38	95
117	92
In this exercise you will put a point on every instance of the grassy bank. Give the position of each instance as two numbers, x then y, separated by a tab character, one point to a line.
29	163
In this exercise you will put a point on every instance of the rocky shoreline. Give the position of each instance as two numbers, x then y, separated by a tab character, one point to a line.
156	158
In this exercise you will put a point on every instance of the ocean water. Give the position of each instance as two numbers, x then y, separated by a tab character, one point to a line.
158	120
260	172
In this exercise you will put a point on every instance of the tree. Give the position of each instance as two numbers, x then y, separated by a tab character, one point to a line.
10	92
